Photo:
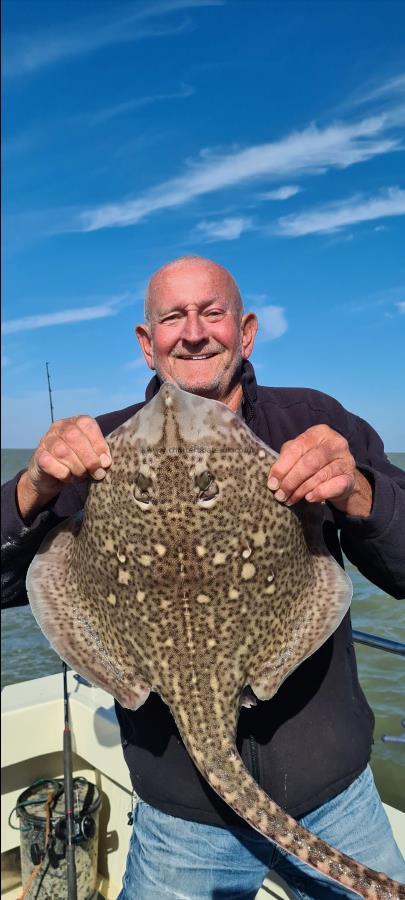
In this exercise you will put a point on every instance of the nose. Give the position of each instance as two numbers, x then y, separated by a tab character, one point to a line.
194	329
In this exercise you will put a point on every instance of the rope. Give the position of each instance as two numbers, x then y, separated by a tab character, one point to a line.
34	802
34	873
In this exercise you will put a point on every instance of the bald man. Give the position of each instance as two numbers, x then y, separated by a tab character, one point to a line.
309	746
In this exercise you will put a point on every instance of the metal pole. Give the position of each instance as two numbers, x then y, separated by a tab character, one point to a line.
374	640
67	759
49	391
69	799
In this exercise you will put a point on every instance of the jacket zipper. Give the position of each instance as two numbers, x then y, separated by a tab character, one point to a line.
254	758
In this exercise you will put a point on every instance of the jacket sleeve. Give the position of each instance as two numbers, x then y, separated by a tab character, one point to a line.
20	542
376	543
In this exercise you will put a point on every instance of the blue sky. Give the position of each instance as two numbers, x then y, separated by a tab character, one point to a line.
268	136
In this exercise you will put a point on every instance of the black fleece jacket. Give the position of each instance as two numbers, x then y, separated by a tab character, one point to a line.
314	737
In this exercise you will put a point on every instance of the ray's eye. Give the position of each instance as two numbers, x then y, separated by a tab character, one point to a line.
207	486
142	489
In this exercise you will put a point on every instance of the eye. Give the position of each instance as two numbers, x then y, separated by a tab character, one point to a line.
214	313
168	320
207	486
142	490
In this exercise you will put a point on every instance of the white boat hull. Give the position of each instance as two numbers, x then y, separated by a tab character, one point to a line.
32	734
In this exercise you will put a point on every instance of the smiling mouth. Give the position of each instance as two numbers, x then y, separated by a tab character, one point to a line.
198	356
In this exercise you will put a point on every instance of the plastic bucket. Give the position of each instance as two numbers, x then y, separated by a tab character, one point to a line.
41	810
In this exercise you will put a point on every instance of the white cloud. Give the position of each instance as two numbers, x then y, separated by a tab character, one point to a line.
111	112
28	53
272	322
256	298
312	151
137	363
390	202
228	229
385	89
19	144
64	317
401	306
283	193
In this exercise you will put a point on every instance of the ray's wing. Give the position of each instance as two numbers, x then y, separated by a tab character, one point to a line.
80	637
302	600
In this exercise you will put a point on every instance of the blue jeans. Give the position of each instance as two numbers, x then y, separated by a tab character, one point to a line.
170	857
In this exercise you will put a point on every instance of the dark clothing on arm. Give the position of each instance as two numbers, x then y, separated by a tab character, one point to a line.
314	737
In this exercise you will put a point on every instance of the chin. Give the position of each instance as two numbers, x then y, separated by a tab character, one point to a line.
203	388
206	384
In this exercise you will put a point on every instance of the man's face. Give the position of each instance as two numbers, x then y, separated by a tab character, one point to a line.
196	335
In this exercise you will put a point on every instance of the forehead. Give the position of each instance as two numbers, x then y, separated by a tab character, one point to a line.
191	284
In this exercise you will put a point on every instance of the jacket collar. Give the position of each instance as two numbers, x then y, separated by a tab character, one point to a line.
249	387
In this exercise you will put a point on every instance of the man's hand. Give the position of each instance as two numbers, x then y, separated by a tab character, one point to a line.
71	450
318	465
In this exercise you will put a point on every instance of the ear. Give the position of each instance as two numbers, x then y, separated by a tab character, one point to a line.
144	337
249	325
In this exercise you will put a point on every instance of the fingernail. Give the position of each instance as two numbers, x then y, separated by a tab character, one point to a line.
105	459
280	495
309	497
273	483
99	474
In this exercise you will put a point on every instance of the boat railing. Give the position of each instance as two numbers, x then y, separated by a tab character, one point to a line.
380	643
374	640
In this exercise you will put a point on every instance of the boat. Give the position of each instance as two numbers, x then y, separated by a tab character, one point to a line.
32	725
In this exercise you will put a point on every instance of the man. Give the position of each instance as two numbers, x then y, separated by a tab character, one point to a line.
309	746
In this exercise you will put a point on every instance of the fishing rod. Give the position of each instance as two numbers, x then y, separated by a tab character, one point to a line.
67	759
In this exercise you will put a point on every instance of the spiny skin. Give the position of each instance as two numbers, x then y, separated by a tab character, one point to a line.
189	579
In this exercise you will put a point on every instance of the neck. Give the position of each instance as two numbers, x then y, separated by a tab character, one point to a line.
234	398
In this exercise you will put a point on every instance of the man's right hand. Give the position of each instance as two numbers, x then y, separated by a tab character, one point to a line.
71	450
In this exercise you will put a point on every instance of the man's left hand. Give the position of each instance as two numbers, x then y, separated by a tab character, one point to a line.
318	465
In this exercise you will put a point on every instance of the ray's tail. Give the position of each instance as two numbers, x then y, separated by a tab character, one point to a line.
220	764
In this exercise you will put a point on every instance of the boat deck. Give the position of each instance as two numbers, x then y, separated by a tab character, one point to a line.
32	730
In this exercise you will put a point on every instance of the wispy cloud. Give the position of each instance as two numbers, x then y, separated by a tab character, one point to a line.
111	112
257	299
65	316
228	229
312	151
283	193
388	297
401	306
272	322
137	363
390	202
392	87
20	143
28	53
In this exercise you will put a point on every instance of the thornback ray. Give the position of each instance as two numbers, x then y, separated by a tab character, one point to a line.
187	577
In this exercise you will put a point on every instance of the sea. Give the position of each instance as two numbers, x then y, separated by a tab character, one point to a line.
26	654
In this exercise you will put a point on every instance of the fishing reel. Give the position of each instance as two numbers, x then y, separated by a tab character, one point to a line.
84	828
84	825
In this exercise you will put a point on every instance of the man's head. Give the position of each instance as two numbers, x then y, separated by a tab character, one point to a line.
195	333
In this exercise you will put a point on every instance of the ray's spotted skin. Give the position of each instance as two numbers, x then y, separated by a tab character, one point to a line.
188	578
